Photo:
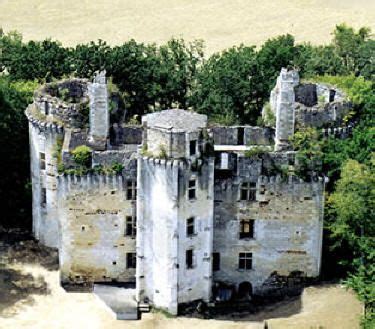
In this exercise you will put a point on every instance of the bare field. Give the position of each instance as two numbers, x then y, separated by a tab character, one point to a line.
220	23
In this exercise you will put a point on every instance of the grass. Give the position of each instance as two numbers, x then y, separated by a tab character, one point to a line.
219	23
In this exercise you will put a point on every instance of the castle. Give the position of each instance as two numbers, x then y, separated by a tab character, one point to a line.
178	209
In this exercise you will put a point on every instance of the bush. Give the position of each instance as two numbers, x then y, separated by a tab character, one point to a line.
82	155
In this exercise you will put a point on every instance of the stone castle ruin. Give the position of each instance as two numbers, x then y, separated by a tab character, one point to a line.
179	211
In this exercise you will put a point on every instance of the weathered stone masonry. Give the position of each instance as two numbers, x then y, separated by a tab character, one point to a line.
186	210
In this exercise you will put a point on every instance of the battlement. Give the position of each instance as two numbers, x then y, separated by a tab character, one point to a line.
290	179
68	183
45	126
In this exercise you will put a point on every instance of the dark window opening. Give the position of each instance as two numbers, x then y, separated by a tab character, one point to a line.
193	147
332	94
246	228
248	191
192	189
189	258
43	197
42	157
114	263
240	137
216	261
131	190
190	226
131	226
245	261
131	260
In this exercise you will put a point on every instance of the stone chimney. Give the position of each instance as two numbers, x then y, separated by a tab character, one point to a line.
99	114
282	99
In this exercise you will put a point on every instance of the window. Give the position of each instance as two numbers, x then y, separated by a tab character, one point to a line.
248	191
189	258
192	189
216	261
246	228
193	147
131	190
224	161
190	226
43	197
131	260
42	157
131	226
245	261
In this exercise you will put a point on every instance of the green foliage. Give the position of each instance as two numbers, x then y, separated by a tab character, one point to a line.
357	88
163	312
58	149
256	151
33	60
226	86
309	153
351	221
163	154
348	44
274	54
82	155
15	190
269	119
319	60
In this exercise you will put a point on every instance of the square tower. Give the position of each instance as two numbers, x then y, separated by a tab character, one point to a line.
175	211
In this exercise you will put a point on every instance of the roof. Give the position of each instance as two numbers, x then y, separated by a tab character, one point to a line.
176	120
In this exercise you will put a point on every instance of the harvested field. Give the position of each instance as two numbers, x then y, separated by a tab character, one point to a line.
220	23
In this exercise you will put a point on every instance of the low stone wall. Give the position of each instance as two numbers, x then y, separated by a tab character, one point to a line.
318	116
125	134
242	135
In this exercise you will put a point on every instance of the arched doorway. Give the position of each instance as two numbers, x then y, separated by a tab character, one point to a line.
245	290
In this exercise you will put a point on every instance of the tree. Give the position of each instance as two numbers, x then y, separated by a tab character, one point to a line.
352	222
15	192
274	54
228	86
348	44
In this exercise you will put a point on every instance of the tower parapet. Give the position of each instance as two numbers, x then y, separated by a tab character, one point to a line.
282	99
99	114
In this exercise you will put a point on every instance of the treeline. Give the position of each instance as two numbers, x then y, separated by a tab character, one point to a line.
230	87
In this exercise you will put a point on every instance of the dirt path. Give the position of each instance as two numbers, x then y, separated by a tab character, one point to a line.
325	306
220	23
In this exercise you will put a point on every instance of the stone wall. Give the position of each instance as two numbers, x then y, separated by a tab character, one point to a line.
288	221
92	214
321	115
282	99
125	134
43	165
157	231
163	208
242	135
63	102
99	113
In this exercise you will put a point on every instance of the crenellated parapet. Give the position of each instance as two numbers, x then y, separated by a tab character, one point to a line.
90	181
338	132
45	126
